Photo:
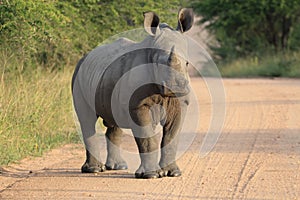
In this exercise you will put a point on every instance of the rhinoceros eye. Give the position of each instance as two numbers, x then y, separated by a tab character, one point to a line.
187	64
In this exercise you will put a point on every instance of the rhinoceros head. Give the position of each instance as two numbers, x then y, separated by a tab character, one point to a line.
170	51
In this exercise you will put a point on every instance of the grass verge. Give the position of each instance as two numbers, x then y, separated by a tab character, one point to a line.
283	65
35	111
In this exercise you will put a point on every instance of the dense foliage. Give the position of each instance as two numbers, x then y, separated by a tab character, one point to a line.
53	33
251	27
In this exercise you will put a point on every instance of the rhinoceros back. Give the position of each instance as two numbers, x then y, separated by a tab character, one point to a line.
94	66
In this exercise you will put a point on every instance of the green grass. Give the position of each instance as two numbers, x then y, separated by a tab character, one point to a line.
280	65
35	111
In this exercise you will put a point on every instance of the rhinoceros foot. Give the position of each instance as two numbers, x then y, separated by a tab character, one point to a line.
171	170
149	175
93	168
141	173
113	165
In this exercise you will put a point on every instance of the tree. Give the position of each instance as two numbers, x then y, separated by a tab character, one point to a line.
55	33
249	27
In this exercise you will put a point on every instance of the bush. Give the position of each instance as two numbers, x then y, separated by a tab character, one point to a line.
53	34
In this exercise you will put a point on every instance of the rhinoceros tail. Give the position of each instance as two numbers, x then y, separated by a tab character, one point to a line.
77	69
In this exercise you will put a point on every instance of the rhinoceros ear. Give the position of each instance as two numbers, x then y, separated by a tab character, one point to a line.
185	19
151	22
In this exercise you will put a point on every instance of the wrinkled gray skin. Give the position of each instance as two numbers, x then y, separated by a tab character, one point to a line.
164	101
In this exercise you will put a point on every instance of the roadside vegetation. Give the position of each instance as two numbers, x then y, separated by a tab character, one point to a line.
276	65
35	112
253	38
40	44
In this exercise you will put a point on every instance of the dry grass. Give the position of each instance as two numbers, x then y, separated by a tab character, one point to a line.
35	111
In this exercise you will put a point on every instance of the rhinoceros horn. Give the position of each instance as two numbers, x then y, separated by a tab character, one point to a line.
173	60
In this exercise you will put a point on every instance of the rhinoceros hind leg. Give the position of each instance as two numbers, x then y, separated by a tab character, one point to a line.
114	160
87	119
92	165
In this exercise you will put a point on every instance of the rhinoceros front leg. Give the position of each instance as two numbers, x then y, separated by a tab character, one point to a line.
148	151
147	144
168	154
114	160
169	144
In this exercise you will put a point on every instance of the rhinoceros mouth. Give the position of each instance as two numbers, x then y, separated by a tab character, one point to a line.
174	90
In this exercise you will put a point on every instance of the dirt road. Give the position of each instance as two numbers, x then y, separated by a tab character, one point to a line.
256	157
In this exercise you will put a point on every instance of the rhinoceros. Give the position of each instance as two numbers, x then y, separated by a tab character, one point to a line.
137	86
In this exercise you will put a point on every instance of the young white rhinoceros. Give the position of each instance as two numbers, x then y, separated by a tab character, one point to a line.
137	86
